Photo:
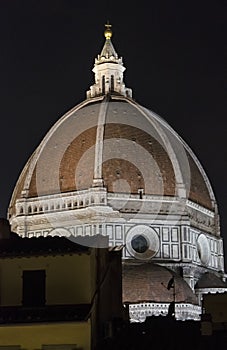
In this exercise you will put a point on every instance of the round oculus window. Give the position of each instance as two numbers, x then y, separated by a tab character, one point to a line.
203	249
139	244
142	242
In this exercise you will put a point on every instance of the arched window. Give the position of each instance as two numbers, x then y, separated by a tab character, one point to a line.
112	83
103	84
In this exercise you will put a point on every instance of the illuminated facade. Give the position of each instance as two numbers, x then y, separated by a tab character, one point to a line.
112	167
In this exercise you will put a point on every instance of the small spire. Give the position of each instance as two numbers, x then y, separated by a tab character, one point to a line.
108	49
108	31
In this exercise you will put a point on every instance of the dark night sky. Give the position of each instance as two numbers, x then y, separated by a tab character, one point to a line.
174	54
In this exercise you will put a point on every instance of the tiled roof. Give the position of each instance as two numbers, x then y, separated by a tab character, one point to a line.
148	282
210	280
17	246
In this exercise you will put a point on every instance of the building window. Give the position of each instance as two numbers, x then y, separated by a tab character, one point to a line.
139	244
34	287
112	83
140	192
103	84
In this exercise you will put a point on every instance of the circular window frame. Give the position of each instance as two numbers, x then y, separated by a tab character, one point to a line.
151	237
203	249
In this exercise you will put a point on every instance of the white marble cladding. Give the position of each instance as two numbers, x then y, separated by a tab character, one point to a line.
169	236
90	212
61	202
189	237
169	239
158	208
199	208
177	243
148	204
202	218
183	311
174	207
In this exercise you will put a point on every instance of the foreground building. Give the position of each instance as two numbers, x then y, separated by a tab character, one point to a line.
57	294
112	167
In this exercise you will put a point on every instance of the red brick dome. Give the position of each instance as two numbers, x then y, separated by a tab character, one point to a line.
114	142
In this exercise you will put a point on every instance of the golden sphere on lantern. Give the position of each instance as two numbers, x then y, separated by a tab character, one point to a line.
108	31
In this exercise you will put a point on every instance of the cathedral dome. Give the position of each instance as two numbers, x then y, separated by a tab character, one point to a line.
111	167
111	142
114	142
